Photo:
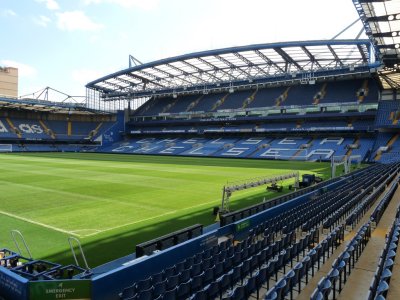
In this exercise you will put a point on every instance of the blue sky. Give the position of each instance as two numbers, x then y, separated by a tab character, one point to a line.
65	44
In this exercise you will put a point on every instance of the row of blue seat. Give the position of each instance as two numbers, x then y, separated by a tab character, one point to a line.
231	217
245	250
370	200
355	91
215	277
338	273
380	209
280	288
192	265
262	241
380	283
342	266
346	205
348	198
310	214
293	279
287	285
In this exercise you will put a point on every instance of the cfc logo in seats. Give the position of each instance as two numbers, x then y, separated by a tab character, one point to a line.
27	128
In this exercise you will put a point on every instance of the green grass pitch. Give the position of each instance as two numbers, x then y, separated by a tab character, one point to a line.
112	202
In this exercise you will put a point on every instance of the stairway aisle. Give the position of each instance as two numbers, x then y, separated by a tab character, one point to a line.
360	279
312	284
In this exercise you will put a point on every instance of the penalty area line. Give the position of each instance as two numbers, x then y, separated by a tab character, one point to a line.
38	223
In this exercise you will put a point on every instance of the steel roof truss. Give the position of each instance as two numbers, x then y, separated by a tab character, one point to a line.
232	66
311	57
288	59
269	61
250	63
337	59
201	72
215	68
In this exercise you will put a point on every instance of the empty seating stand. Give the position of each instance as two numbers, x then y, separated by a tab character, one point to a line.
380	283
331	286
287	244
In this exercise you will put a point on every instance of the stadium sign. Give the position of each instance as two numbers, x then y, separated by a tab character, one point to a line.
12	286
70	289
242	225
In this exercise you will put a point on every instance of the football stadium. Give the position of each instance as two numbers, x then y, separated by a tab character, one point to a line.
263	171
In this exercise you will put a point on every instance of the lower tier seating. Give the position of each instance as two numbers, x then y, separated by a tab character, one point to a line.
276	257
317	148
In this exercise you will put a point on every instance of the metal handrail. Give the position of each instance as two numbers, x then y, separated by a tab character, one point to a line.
70	239
13	232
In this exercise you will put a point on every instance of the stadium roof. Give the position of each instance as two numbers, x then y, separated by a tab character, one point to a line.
237	66
381	20
46	106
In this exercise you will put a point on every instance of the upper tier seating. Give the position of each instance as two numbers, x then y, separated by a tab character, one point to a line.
234	100
388	114
314	125
356	91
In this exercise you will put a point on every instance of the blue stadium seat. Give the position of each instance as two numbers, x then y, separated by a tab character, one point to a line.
199	295
170	294
159	288
183	290
145	294
172	281
212	290
224	283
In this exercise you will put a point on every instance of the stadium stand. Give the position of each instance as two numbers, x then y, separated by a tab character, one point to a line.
269	248
23	131
381	280
388	114
315	100
332	92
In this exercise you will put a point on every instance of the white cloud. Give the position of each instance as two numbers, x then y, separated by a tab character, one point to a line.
24	70
50	4
9	13
42	21
143	4
76	20
84	76
94	39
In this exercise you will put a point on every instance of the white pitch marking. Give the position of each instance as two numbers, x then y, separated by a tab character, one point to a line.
127	224
85	230
158	216
38	223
